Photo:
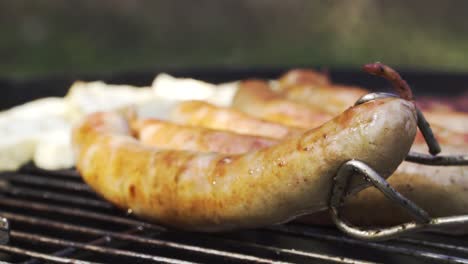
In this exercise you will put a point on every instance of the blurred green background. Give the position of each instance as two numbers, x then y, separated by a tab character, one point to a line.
60	37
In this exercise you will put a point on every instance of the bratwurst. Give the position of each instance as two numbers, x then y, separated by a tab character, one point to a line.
256	98
168	135
215	192
202	114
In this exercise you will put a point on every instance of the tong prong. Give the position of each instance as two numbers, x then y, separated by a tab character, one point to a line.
422	220
426	131
340	188
440	160
434	148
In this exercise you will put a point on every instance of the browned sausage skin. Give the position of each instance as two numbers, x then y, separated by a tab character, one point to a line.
332	99
198	113
313	89
303	76
213	192
168	135
256	98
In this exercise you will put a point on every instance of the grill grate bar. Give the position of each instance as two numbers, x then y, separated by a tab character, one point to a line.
83	213
434	244
315	233
78	199
72	199
67	173
302	253
13	194
132	238
43	181
75	199
70	250
76	212
33	205
41	256
93	248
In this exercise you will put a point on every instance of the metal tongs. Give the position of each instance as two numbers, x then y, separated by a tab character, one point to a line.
422	220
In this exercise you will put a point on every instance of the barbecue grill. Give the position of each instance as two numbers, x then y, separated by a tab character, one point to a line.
55	218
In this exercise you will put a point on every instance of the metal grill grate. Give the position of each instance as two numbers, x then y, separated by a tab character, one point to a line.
56	218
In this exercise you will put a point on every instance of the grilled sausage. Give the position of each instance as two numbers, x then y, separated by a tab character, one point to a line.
303	76
332	99
198	113
256	98
425	185
309	88
445	136
213	192
318	91
168	135
451	120
449	126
